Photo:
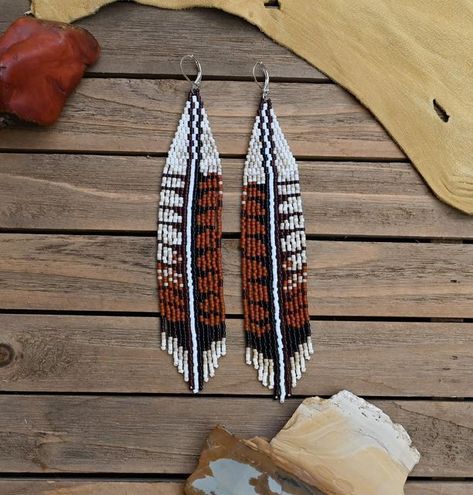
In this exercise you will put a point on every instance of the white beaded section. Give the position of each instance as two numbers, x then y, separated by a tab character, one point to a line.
210	160
170	200
180	357
254	168
265	367
293	244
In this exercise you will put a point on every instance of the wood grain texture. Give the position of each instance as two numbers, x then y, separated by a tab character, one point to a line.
113	193
55	487
124	30
113	273
435	488
123	355
141	116
162	434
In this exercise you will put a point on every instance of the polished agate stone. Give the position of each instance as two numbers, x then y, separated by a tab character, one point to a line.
229	466
41	63
345	446
338	446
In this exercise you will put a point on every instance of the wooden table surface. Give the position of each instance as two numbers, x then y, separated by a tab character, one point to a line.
89	404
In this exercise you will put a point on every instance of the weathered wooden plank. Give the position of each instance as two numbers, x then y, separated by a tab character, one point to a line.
118	354
121	115
57	487
93	192
434	488
164	435
142	41
112	273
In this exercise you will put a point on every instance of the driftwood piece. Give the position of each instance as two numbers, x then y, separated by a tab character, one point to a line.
346	446
416	81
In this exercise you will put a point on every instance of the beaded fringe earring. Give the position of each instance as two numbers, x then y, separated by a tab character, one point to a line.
189	242
273	243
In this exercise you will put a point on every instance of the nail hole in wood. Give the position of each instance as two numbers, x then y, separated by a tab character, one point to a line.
6	355
272	4
441	112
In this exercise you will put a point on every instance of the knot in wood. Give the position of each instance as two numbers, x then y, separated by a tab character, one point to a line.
6	355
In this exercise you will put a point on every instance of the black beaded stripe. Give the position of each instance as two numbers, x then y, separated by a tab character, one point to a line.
272	345
192	125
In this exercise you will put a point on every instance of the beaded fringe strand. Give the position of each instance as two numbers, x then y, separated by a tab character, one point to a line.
189	258
273	242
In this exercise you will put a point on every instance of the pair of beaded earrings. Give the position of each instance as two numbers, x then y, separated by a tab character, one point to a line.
273	247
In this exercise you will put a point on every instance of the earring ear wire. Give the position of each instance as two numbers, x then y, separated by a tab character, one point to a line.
198	79
264	86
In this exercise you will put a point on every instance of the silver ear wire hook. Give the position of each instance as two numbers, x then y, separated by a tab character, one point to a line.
198	79
263	86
